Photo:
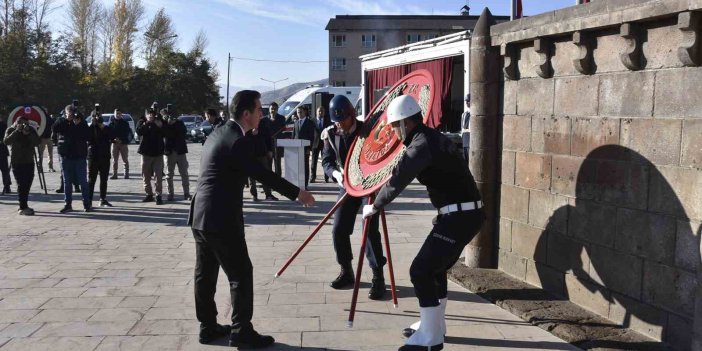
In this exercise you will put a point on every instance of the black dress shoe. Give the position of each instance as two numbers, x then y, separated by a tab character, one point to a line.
250	340
421	348
211	333
407	332
159	201
148	198
59	191
271	198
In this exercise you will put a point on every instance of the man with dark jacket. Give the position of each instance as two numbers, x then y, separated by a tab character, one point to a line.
263	152
47	144
151	148
4	166
305	129
99	145
337	141
57	139
120	147
73	134
217	221
321	122
277	126
22	138
176	153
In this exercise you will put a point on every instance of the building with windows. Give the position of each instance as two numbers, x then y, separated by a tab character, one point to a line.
353	36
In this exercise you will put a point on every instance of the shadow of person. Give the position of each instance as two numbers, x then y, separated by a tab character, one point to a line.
626	249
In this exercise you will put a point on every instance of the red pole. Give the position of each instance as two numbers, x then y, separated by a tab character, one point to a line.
357	284
387	249
314	232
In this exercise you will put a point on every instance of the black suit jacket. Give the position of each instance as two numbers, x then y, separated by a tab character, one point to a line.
227	161
304	129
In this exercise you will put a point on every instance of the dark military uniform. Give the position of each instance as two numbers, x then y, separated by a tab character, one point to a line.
437	163
336	148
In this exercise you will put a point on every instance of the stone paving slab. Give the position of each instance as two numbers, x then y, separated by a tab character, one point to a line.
122	278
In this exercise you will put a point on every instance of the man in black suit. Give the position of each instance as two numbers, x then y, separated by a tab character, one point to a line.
217	221
305	129
277	126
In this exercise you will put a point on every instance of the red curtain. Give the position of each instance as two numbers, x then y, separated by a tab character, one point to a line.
441	69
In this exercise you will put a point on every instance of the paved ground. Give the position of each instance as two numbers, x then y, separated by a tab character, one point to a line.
121	279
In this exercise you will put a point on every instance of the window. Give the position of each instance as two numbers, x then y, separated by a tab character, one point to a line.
339	83
413	38
339	64
432	36
338	40
368	40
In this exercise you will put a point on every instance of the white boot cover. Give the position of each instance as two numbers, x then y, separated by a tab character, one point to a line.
442	303
429	332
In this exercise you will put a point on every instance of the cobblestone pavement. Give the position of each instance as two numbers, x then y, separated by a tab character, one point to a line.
121	278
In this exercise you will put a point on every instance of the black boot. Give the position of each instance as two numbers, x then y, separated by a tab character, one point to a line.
6	190
345	278
211	333
377	290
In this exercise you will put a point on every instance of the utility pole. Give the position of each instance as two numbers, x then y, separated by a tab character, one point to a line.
229	64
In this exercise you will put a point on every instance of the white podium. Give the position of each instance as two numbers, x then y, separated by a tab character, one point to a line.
294	160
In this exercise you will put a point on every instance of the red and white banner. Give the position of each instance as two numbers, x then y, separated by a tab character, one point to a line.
36	116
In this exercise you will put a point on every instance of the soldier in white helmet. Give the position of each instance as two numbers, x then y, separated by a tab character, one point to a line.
438	164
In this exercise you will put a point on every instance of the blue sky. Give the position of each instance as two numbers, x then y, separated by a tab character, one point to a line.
291	30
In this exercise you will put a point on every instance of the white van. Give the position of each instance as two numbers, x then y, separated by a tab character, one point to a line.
305	96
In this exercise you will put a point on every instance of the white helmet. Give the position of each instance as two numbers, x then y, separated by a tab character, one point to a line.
402	107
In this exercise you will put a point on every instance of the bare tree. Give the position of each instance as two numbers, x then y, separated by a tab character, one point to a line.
41	9
200	44
128	14
159	37
83	19
108	26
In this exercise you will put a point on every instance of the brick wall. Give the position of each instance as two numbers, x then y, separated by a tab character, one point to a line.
601	194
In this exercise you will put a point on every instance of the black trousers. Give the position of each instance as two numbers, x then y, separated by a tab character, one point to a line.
315	159
440	251
344	220
5	170
229	251
95	168
24	176
266	162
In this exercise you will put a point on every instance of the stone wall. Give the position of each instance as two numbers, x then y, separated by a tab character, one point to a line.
601	189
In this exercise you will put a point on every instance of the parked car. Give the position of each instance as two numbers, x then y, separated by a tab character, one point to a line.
200	133
108	117
191	122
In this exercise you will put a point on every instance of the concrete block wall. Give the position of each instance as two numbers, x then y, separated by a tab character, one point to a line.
601	182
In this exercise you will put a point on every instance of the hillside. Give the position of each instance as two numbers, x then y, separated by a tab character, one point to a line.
282	94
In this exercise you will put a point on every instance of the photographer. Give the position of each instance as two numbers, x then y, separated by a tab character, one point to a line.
57	140
73	134
151	148
22	138
122	135
176	153
99	157
4	166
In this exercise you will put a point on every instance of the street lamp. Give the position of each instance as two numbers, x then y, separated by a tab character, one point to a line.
229	64
274	83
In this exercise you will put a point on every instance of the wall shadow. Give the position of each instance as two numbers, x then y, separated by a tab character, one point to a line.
620	243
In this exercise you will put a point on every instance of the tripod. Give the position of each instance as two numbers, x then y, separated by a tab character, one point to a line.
357	283
40	171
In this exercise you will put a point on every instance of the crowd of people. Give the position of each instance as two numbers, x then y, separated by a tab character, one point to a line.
242	150
87	147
